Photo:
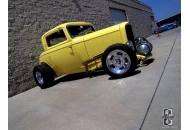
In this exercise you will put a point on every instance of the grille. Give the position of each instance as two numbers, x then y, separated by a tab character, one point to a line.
130	35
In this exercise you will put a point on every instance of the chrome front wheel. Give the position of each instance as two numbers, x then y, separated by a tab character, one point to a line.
118	61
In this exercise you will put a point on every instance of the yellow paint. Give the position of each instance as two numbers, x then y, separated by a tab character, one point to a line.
141	57
67	57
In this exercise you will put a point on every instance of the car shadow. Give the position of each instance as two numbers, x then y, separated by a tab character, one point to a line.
134	73
99	72
146	63
78	76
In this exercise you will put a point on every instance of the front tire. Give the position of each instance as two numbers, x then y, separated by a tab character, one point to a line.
43	75
119	60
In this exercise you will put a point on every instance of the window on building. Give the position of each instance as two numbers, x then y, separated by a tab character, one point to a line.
118	15
152	18
56	38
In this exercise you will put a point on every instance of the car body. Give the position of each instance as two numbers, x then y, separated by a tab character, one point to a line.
171	26
76	47
167	27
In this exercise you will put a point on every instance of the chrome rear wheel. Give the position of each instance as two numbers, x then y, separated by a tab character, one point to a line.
43	75
39	78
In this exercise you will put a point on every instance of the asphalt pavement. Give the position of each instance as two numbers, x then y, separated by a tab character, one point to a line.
78	102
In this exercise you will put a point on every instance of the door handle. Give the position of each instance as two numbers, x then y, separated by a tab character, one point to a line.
70	46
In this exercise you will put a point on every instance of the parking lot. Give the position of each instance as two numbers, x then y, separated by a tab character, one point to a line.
78	102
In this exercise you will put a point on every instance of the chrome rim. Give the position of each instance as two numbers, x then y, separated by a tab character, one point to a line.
118	61
39	78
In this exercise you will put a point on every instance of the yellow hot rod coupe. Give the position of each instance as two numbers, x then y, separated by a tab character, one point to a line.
75	47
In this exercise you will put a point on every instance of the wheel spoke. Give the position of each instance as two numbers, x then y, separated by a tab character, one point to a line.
115	53
110	62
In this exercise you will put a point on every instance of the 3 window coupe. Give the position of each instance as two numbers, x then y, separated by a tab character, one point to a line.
76	47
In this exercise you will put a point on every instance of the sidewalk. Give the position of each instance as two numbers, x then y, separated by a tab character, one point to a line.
168	94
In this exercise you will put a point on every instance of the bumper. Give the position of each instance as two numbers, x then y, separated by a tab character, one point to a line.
143	58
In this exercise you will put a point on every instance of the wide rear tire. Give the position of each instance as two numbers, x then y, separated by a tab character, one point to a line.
43	75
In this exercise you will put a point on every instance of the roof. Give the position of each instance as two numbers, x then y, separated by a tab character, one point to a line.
65	24
169	17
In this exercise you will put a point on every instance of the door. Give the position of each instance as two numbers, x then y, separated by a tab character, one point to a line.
61	52
78	34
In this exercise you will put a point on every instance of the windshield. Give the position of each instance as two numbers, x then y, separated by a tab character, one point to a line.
79	30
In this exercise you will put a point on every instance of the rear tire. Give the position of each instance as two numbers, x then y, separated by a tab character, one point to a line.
119	60
43	75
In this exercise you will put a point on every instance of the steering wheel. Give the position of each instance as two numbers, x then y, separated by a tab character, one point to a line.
88	32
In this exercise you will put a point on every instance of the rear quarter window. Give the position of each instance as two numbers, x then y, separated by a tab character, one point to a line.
56	38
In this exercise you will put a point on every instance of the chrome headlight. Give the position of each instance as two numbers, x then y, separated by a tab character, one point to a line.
143	46
130	44
149	45
143	49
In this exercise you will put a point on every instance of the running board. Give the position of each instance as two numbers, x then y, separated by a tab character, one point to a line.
86	63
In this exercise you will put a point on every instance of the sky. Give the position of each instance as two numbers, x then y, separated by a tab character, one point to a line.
163	8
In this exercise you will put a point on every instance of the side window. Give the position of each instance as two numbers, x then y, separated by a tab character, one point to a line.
56	38
77	30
